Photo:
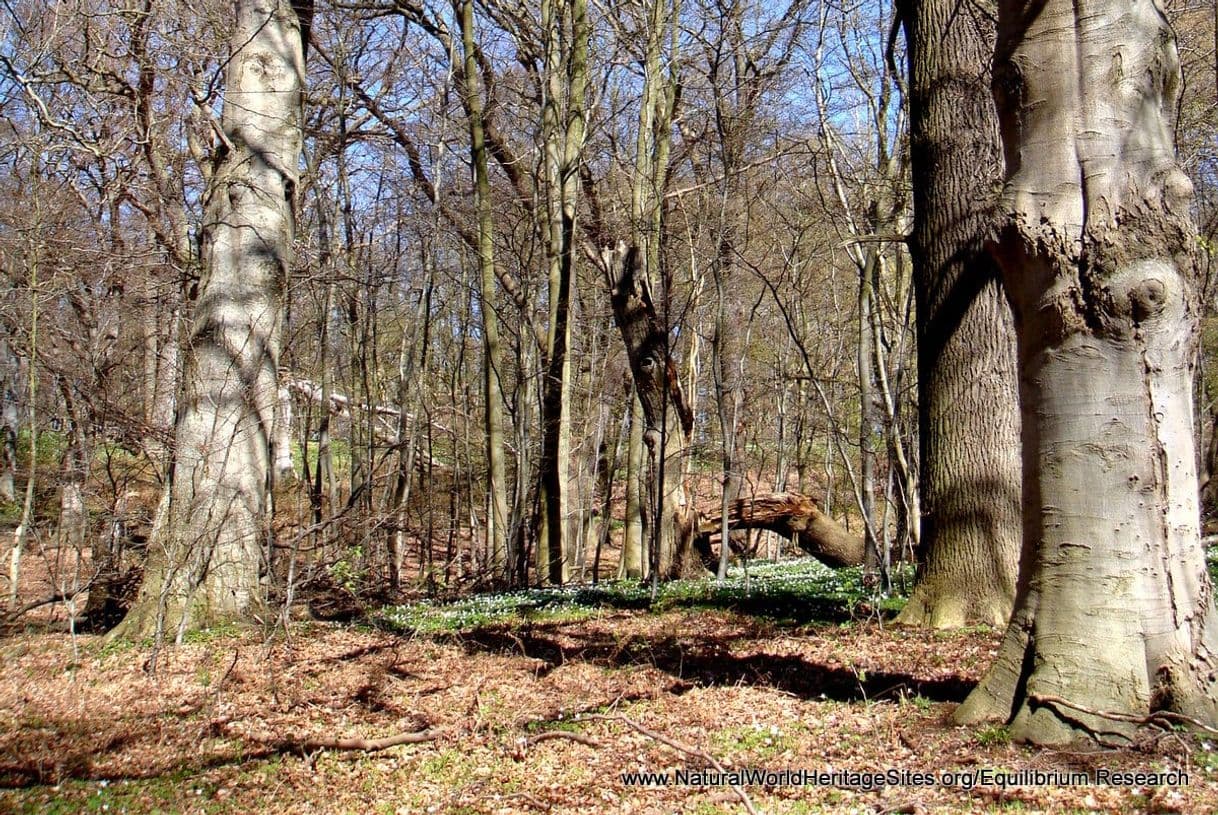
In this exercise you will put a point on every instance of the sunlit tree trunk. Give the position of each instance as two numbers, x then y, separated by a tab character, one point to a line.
632	535
206	560
563	123
1114	611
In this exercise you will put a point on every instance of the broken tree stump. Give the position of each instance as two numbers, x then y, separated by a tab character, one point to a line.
794	516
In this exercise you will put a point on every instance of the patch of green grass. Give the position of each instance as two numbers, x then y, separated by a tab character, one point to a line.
178	791
216	632
119	645
759	740
50	447
340	456
112	455
546	725
10	512
450	768
791	592
1206	755
993	735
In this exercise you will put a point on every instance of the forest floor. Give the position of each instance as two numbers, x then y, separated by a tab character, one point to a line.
543	706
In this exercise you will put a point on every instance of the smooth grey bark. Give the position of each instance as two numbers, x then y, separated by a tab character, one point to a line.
1115	610
206	558
968	413
631	564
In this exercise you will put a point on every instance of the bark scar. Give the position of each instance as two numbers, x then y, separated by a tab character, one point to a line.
1161	474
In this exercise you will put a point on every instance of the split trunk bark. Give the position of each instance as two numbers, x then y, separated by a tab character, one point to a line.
667	422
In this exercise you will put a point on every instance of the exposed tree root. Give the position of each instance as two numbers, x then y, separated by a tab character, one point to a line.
1163	718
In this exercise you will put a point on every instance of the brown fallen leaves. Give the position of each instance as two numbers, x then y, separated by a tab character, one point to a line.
543	717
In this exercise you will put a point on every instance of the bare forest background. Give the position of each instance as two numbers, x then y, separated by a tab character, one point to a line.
756	154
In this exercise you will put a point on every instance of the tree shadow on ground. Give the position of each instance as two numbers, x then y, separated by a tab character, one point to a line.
708	661
80	749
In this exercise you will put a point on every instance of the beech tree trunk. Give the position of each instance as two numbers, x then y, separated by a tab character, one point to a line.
1115	609
968	400
206	559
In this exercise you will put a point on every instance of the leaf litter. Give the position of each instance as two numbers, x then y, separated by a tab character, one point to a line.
230	723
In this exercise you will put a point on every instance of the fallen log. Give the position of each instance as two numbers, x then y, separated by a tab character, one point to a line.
795	517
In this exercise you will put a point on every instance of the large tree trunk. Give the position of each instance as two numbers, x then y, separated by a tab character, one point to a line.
968	406
206	562
1115	611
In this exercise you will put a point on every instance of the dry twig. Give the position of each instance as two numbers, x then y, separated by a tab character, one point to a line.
309	745
681	748
562	734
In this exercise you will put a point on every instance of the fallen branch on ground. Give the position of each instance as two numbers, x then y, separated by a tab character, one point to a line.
561	734
681	748
795	517
310	745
